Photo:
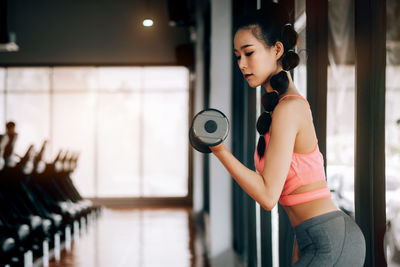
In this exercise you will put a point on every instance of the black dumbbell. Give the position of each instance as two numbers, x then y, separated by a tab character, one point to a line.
209	127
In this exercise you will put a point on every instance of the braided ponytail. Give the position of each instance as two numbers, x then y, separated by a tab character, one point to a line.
289	37
269	102
279	82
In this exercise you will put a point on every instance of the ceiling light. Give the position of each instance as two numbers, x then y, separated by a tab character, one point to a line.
148	22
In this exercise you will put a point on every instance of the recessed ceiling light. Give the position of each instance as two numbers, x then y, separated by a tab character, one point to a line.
148	22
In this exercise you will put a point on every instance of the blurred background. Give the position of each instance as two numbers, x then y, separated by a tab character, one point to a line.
117	83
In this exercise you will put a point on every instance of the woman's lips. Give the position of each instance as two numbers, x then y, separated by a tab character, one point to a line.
246	76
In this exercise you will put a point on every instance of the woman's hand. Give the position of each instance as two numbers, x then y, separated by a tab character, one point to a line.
217	148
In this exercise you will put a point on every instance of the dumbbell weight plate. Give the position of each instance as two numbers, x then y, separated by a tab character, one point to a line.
209	127
196	143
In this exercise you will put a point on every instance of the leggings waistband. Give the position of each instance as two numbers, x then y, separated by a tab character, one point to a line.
318	220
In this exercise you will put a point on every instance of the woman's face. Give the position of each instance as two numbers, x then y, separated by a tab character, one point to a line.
256	61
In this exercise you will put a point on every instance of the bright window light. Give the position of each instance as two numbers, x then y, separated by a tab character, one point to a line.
148	22
121	104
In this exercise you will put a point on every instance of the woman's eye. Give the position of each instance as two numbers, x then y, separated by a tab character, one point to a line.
237	57
249	54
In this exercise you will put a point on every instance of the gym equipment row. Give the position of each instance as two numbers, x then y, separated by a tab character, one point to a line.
41	211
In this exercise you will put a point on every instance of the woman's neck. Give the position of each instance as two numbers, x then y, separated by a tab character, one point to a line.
291	88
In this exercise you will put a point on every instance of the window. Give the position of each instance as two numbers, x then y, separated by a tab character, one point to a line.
129	124
392	131
341	105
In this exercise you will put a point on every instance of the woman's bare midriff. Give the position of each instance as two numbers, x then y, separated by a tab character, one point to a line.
301	212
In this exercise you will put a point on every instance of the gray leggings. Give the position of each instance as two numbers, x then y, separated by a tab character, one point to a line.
331	239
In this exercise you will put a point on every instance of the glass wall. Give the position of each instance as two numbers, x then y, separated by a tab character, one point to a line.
129	124
27	99
300	72
341	104
393	133
2	98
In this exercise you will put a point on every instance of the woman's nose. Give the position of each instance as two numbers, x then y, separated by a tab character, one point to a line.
242	64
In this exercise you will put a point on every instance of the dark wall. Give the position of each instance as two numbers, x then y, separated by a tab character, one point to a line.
91	32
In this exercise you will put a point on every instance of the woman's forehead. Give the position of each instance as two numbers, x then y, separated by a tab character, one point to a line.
244	38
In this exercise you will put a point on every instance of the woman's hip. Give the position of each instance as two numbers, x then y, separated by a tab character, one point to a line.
332	239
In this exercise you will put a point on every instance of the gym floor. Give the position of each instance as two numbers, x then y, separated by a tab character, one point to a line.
142	237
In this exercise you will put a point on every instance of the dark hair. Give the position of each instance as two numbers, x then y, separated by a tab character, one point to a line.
10	124
270	24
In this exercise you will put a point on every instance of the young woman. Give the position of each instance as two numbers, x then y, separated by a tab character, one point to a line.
289	164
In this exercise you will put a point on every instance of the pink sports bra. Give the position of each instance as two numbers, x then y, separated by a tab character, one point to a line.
304	169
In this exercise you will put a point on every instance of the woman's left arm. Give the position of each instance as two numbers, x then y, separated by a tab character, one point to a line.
266	188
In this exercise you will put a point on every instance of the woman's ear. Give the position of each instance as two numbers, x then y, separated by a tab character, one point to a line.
279	49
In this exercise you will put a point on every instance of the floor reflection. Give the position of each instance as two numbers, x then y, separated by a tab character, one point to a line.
142	237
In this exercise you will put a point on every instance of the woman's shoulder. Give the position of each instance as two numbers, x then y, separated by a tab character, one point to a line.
292	105
291	112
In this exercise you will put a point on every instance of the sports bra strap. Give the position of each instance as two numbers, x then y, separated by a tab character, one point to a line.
299	96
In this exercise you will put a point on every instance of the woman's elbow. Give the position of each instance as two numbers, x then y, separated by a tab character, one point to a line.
268	204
